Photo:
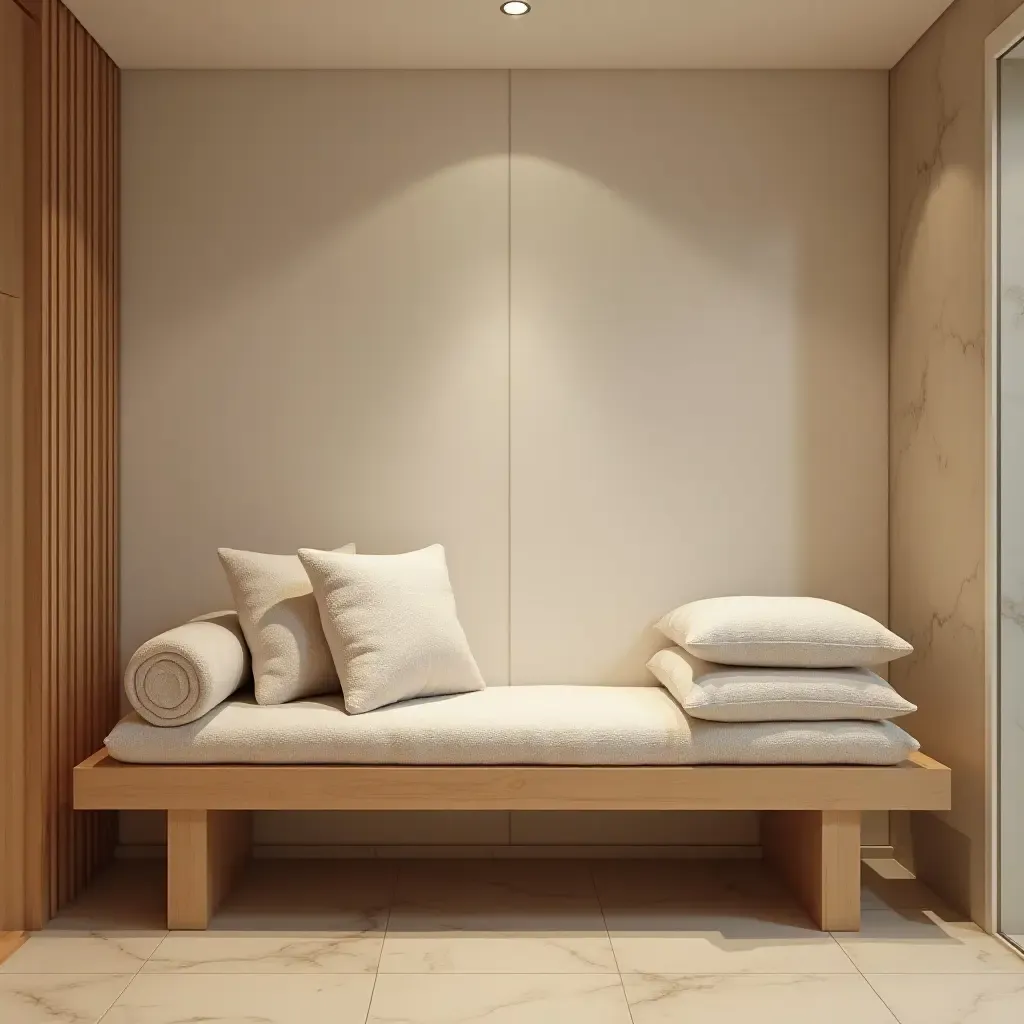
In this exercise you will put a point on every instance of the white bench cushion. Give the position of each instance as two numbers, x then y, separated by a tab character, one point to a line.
571	725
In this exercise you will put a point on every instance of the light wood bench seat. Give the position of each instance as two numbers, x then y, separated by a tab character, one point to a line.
810	815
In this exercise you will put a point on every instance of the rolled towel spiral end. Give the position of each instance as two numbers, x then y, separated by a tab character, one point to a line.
185	672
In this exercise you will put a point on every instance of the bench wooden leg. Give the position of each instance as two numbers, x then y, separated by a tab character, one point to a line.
204	851
818	854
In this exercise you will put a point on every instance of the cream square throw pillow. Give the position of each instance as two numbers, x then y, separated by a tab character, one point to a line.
784	632
281	624
729	693
392	626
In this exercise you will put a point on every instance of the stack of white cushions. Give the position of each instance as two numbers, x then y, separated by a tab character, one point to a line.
778	659
382	628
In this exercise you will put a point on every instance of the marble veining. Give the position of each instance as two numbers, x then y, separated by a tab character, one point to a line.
496	917
922	942
671	962
652	941
963	999
51	952
251	999
58	999
498	953
795	999
938	386
213	954
498	999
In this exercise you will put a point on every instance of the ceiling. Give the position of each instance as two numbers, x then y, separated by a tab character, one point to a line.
475	34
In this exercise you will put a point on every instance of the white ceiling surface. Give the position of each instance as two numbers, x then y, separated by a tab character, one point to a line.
475	34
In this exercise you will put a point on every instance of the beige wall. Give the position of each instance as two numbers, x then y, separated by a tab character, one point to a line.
937	409
698	353
617	339
315	330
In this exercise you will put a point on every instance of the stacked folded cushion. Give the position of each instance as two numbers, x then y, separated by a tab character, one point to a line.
779	659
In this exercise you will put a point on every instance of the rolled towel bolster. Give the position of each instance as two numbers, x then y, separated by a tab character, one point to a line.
182	674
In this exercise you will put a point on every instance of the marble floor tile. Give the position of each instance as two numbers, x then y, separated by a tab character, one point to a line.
480	952
290	917
112	928
956	999
671	940
496	917
57	952
253	999
499	999
289	896
887	885
130	895
765	998
690	883
248	953
496	896
511	882
922	942
58	998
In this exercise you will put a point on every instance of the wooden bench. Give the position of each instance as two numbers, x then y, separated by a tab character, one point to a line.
810	816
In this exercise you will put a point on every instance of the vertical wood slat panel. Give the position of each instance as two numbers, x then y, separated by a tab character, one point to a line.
93	667
78	679
39	503
12	654
24	707
96	240
70	542
65	706
113	448
87	864
108	705
58	456
70	701
13	261
60	389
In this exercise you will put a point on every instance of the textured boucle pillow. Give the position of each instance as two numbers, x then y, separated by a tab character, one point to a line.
392	626
281	623
731	693
784	632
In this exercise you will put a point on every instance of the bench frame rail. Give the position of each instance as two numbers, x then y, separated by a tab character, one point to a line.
810	815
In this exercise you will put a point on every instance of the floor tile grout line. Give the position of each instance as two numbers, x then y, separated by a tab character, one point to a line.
846	952
163	938
116	998
373	989
881	998
611	945
392	894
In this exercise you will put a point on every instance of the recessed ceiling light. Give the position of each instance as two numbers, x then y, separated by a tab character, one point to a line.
515	8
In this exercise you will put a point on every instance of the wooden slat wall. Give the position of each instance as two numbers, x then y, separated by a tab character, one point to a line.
71	443
15	27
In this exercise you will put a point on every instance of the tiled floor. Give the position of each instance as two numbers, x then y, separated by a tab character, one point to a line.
508	942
